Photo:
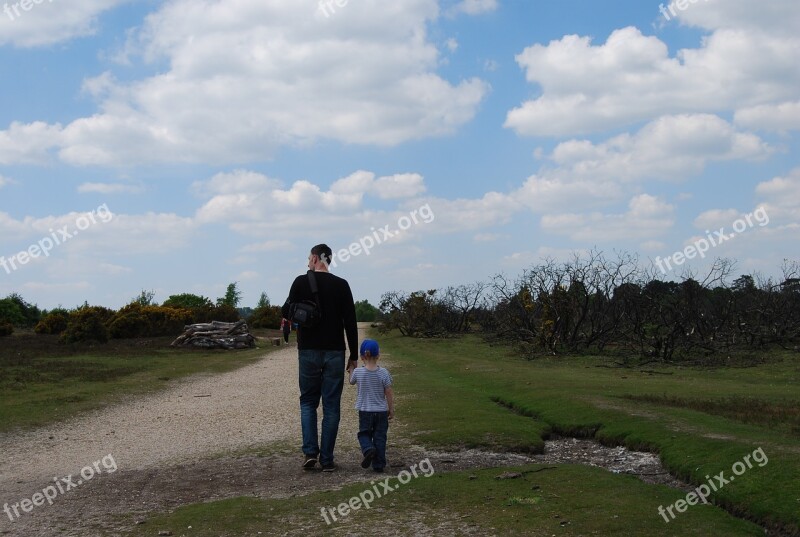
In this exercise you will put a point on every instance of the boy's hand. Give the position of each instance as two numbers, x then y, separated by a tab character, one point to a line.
391	414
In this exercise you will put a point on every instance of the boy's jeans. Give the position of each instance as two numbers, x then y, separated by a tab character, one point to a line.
372	430
321	376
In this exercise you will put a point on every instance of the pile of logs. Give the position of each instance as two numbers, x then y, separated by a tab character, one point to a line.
216	335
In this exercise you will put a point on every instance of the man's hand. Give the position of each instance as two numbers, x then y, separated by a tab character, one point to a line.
351	365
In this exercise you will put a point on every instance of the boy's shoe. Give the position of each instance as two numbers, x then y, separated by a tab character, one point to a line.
368	456
330	467
309	463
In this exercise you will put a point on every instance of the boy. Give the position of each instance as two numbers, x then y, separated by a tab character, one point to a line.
375	404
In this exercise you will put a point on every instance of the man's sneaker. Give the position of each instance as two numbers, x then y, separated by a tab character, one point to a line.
378	470
330	467
309	463
368	456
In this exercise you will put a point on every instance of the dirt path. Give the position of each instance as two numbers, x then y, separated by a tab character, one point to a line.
178	447
200	417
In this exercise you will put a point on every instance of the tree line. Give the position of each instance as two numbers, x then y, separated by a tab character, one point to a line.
595	303
141	317
144	317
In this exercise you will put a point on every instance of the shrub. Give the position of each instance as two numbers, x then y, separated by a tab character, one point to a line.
15	310
53	323
224	313
11	313
187	301
6	329
268	317
366	312
88	323
137	320
200	310
129	325
167	321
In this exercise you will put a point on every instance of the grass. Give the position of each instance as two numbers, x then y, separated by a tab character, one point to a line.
42	381
463	393
563	500
585	397
781	415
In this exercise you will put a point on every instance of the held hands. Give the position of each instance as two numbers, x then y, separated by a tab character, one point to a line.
351	365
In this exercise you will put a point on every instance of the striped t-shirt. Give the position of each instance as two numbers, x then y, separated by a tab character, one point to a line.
371	385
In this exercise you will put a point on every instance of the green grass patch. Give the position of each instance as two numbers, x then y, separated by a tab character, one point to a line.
564	500
442	397
783	415
589	396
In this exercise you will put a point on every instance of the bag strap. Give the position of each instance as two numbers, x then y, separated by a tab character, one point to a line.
312	280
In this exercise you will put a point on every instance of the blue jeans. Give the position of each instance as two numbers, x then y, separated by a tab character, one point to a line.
321	376
373	428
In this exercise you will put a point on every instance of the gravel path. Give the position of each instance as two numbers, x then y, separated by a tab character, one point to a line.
200	417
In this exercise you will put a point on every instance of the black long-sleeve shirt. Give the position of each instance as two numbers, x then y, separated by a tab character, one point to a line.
338	314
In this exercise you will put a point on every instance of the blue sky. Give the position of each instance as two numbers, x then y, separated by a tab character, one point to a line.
228	137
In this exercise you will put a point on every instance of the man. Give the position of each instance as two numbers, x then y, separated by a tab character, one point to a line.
321	352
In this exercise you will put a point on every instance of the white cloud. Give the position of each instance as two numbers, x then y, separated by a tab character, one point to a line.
475	7
647	217
460	214
116	234
771	117
249	196
108	188
404	185
554	191
670	147
5	181
781	197
778	17
235	182
306	210
248	77
146	233
48	23
714	219
631	77
588	175
28	144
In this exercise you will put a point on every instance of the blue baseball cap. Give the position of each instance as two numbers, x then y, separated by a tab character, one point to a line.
369	345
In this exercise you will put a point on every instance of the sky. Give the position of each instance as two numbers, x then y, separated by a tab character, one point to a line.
178	146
